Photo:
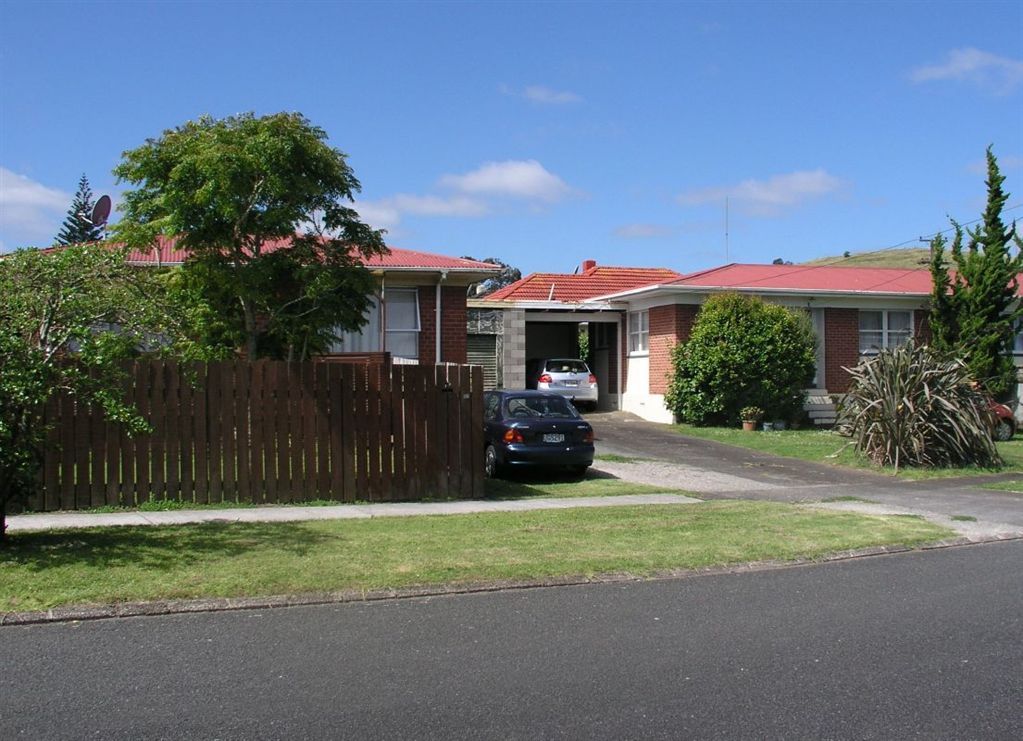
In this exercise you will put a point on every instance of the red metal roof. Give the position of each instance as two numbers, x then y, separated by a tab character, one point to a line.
823	278
170	253
596	280
167	252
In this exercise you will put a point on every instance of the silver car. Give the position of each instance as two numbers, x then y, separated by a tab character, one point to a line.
569	377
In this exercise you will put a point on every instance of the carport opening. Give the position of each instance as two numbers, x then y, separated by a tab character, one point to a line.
561	340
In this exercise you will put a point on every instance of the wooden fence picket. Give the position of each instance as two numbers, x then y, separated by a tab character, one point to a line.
270	432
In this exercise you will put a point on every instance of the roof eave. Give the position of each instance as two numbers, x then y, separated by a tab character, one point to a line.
669	289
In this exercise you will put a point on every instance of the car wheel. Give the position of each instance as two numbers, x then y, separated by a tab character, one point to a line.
578	472
490	466
1004	430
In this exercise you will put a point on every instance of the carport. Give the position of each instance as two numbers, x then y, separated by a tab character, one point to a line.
554	334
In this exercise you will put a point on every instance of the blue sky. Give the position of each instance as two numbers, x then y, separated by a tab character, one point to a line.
549	133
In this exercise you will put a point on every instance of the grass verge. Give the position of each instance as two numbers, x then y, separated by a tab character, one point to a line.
824	446
43	570
524	486
531	486
1013	487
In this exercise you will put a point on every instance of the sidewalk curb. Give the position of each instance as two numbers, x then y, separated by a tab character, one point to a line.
224	604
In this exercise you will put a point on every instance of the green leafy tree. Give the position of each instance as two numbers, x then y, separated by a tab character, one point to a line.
56	312
263	208
974	303
742	352
77	228
506	277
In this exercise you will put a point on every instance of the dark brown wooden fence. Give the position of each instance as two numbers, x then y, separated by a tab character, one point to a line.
272	432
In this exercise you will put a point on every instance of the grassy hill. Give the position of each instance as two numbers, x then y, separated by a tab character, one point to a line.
909	257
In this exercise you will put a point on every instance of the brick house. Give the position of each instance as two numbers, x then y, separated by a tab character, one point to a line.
540	316
418	312
854	311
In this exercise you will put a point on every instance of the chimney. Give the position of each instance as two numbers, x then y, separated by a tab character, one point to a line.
588	265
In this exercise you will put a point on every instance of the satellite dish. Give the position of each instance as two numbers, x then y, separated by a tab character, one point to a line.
101	211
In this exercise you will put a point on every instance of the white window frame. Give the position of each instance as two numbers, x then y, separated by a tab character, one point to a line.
886	343
639	332
390	331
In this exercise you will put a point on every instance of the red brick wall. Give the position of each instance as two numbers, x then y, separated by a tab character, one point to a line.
841	347
453	336
921	327
669	325
452	330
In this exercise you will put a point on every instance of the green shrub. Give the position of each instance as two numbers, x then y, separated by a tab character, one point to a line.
742	352
908	407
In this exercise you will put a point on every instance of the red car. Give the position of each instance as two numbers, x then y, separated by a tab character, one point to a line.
1002	420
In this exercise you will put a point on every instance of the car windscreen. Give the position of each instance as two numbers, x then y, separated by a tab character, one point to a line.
566	366
539	406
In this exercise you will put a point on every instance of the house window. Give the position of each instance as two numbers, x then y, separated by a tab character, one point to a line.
884	330
639	331
402	330
1017	347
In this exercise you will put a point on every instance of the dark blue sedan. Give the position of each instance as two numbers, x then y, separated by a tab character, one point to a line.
534	428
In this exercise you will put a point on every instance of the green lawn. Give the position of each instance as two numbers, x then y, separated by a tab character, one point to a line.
524	486
42	570
1014	487
824	446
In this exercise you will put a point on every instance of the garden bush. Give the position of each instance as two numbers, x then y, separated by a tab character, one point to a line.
910	407
742	352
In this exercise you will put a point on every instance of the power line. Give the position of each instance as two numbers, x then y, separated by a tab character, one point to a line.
916	240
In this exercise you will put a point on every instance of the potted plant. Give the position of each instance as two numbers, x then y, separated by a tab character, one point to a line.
750	416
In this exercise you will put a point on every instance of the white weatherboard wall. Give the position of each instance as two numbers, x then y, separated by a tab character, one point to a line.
637	398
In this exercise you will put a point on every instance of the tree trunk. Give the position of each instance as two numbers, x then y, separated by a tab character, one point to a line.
251	336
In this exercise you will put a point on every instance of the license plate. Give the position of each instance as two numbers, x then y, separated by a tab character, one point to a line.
570	383
554	437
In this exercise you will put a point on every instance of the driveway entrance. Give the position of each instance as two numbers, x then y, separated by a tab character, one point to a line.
716	471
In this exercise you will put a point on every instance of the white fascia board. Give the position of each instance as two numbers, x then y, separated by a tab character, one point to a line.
563	306
574	317
656	295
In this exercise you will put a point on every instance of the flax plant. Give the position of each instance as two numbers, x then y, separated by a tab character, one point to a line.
910	407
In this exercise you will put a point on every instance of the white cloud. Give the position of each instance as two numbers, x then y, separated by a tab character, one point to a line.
526	179
999	74
768	197
643	231
30	210
475	194
386	213
543	95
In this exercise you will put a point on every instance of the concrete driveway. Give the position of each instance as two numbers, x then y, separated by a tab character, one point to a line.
717	471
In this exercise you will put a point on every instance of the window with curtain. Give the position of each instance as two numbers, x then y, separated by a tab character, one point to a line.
402	322
401	332
880	330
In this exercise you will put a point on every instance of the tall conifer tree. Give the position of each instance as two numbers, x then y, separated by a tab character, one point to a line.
76	228
974	304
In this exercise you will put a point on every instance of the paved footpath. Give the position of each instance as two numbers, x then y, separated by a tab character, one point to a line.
74	520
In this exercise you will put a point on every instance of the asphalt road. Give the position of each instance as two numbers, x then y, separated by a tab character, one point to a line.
923	644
